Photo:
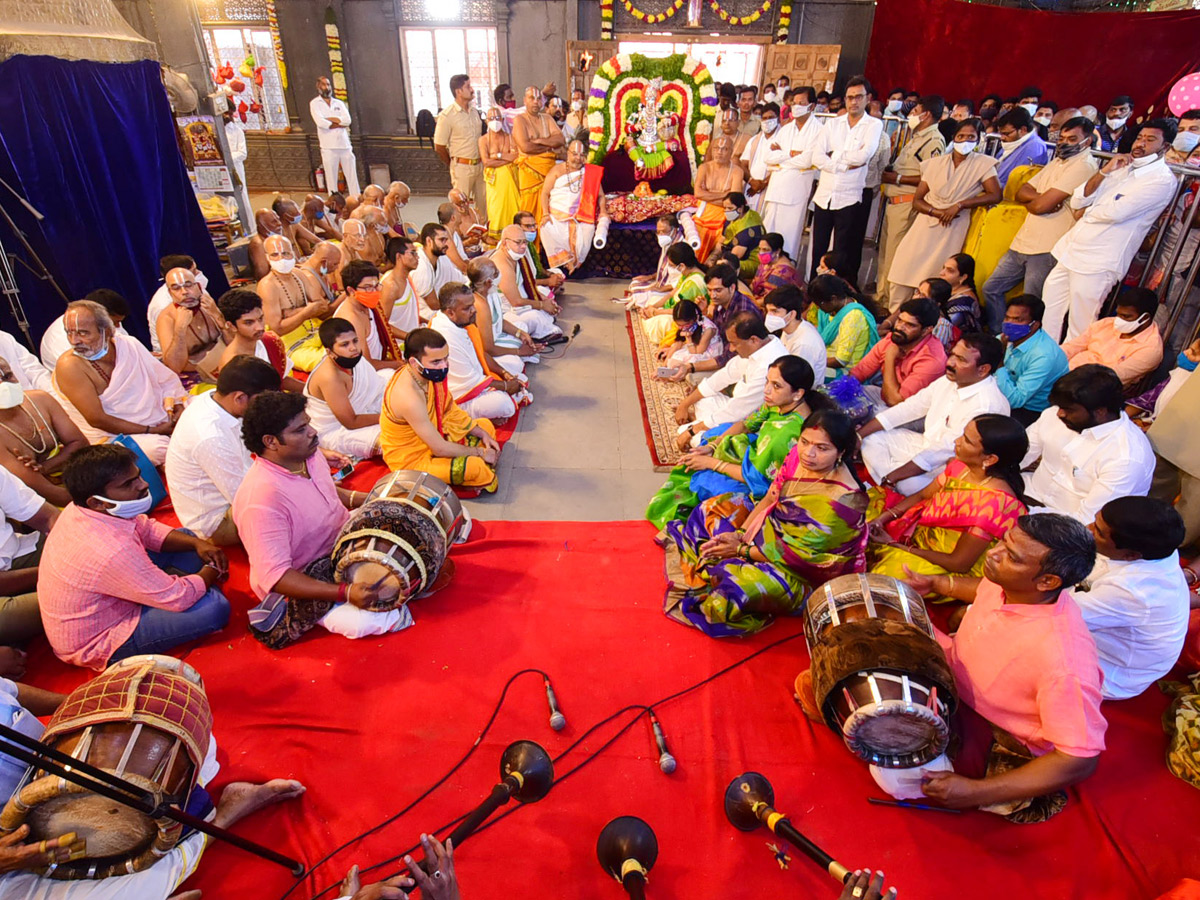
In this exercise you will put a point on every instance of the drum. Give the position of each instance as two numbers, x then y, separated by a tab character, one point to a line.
880	678
145	719
398	539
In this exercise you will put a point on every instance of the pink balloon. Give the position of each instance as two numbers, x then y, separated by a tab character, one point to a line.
1185	94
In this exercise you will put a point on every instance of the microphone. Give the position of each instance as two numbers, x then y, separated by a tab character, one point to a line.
666	761
557	720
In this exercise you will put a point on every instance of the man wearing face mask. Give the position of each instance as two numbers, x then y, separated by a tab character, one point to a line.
753	158
105	582
294	301
54	341
424	429
1048	217
377	229
576	123
1031	99
1115	134
1120	202
1033	361
109	384
784	316
901	178
314	217
1019	143
161	298
478	384
1055	126
1044	116
325	264
907	360
646	289
499	155
332	118
292	225
189	330
434	268
266	224
456	140
1090	451
1129	342
527	302
361	308
793	172
539	142
345	394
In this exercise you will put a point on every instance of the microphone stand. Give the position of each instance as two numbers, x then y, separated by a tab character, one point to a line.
42	756
8	284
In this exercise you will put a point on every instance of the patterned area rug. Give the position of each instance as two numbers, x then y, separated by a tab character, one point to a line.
659	398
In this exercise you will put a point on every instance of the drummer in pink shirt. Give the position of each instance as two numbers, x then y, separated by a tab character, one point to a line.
1023	660
289	511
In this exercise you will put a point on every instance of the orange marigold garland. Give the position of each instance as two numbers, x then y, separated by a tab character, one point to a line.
740	20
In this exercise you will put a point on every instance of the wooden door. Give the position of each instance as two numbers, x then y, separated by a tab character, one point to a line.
804	64
577	52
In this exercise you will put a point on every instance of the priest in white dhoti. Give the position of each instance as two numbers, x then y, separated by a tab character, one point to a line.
793	175
576	216
110	384
345	393
754	158
477	382
526	304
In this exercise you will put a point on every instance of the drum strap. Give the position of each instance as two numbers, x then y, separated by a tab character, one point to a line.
391	539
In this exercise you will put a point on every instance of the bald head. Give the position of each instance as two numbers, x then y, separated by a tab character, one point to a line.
183	287
267	222
354	234
456	197
325	253
372	217
533	99
373	194
1089	112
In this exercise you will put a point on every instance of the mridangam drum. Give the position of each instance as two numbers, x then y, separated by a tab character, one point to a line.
145	719
398	539
879	676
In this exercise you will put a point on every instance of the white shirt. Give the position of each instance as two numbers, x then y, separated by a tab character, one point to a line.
55	344
753	155
206	462
30	373
1039	234
1081	471
236	138
805	342
466	373
18	502
322	111
837	150
1119	213
158	302
17	717
791	175
427	278
748	376
1137	612
947	409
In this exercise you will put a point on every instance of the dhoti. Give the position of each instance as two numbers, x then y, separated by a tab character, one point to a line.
531	175
710	224
567	241
304	345
503	197
886	451
786	220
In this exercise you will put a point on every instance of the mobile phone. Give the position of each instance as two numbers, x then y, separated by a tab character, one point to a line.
345	470
666	371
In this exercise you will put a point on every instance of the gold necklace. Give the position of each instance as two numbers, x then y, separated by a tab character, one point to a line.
37	431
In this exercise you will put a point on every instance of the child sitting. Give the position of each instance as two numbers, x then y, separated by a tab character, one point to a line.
696	338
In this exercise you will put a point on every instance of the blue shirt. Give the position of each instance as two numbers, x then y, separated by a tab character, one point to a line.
1030	370
1031	153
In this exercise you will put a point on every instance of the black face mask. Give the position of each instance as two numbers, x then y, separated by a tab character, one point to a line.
437	376
348	362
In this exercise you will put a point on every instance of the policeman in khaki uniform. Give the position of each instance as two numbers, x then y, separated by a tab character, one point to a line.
900	182
456	140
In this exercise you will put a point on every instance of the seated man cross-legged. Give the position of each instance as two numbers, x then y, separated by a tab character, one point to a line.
345	394
289	512
908	359
104	581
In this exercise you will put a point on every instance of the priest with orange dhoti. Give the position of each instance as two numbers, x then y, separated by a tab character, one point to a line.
715	179
539	144
576	216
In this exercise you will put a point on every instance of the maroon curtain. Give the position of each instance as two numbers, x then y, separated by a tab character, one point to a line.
960	49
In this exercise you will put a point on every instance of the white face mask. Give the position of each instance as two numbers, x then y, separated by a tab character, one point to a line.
127	509
769	97
576	105
965	147
1030	108
1114	124
664	240
893	106
515	256
283	266
800	110
1186	141
673	276
496	125
1123	326
774	322
769	125
202	280
11	394
1043	120
914	121
1138	161
731	215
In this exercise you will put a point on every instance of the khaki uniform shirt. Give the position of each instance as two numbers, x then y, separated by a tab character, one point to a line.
459	131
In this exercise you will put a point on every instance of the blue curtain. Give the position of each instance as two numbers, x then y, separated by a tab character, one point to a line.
92	146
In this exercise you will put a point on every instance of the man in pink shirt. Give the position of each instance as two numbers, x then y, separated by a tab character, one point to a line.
1129	343
289	511
106	584
908	359
1023	659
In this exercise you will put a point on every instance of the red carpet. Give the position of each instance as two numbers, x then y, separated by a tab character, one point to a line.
368	725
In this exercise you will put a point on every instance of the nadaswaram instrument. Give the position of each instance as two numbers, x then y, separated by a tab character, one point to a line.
627	849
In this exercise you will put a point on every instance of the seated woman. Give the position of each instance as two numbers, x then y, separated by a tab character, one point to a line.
947	528
683	266
645	289
847	326
731	567
962	309
775	268
695	340
744	456
741	236
38	437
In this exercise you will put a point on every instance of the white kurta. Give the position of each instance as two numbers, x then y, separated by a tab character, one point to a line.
928	243
793	175
366	399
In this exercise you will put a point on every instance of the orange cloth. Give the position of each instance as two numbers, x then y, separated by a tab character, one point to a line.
710	223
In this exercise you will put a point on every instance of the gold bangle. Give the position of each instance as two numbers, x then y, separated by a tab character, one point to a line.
950	590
